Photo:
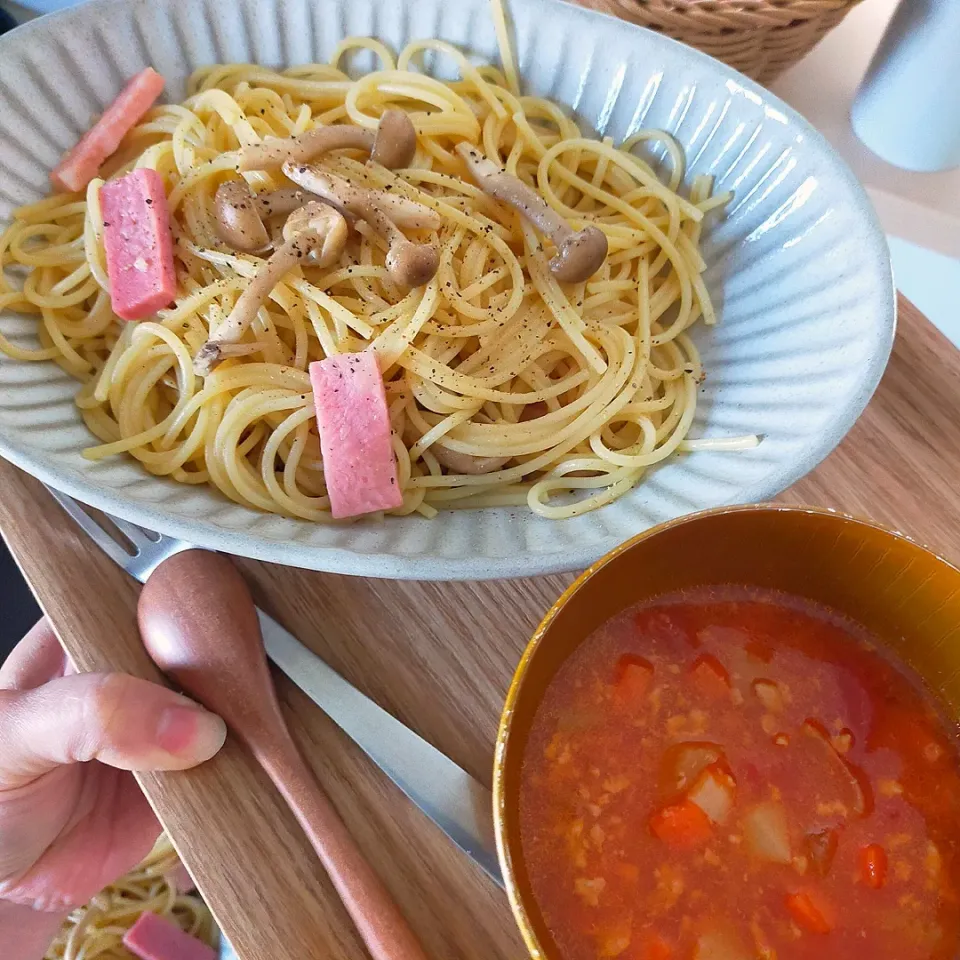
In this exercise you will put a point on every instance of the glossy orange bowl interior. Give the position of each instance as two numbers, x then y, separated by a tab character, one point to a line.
904	594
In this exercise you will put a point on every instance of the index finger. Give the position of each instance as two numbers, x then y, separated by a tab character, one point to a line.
37	658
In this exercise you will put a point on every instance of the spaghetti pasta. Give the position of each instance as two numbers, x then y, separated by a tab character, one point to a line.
95	931
505	386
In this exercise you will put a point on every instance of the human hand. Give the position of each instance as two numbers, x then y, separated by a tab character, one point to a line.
72	818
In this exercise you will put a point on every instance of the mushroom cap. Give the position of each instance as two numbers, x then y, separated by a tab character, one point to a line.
466	462
395	142
579	255
322	227
237	217
411	264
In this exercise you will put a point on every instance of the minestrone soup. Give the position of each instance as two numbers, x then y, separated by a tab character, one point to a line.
737	775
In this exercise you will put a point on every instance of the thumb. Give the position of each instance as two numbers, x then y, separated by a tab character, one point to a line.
111	717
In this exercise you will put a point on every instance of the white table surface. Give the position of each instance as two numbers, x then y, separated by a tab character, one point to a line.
920	212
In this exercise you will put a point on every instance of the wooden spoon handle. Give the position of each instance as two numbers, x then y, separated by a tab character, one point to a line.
382	926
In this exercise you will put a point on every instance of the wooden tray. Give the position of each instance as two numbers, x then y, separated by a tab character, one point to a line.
439	656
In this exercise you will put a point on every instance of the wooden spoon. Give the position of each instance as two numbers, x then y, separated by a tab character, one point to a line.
200	627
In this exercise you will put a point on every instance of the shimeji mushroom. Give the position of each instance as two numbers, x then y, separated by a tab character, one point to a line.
409	264
454	460
316	231
580	254
393	145
466	462
405	213
239	213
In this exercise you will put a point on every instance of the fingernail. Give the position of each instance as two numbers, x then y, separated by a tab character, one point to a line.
190	732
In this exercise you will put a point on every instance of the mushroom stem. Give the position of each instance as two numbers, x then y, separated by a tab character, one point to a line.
315	230
409	264
405	213
279	203
579	253
393	145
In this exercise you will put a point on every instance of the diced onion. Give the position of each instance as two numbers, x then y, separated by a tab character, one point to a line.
720	945
683	763
769	694
766	834
713	793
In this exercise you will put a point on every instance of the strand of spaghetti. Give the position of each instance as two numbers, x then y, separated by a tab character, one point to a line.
504	45
394	341
616	485
185	377
556	302
418	362
378	49
467	70
606	396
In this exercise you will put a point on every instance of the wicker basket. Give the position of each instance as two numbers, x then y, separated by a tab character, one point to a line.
760	38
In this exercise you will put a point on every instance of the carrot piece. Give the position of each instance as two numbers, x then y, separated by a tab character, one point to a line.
654	947
809	911
632	678
873	865
681	825
710	675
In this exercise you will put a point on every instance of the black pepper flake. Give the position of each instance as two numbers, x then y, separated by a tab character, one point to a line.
106	223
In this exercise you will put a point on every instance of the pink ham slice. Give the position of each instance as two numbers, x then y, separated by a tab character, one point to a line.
139	244
358	462
154	938
179	878
80	165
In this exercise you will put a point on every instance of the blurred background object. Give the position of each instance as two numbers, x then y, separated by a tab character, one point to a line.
760	38
907	109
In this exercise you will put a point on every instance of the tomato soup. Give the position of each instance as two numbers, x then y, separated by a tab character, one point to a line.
738	775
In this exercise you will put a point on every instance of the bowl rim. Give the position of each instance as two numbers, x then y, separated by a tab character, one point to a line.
514	691
393	561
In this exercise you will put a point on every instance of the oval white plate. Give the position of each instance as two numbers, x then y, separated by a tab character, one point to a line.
799	268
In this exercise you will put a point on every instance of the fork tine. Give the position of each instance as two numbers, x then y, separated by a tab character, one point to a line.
136	535
92	528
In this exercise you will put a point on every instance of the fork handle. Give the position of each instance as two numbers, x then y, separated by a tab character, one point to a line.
381	925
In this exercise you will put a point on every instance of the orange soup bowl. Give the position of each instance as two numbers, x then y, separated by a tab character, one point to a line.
905	595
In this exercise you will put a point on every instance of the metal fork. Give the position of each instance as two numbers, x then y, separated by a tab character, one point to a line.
147	549
448	795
